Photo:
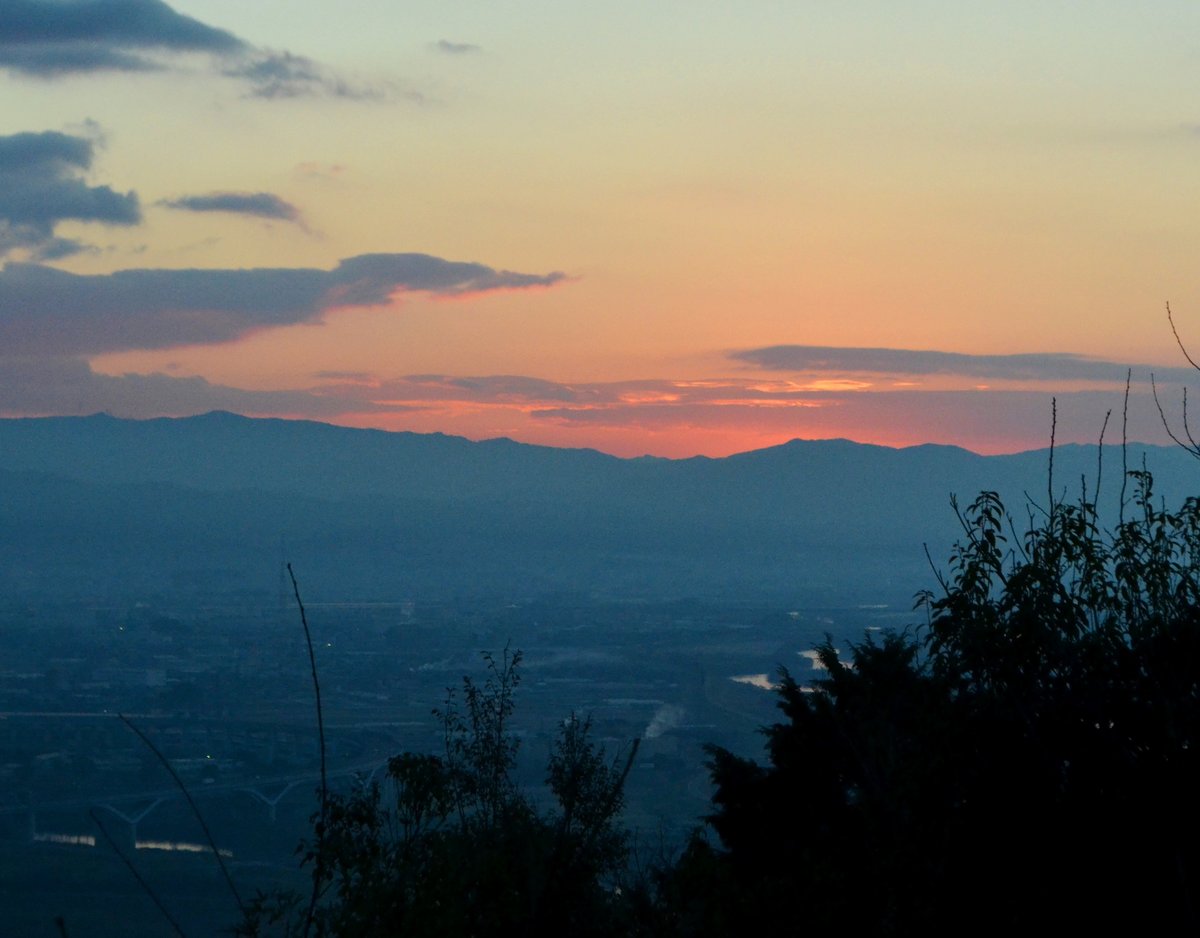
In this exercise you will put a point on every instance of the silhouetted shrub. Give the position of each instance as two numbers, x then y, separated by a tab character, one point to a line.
1028	761
449	845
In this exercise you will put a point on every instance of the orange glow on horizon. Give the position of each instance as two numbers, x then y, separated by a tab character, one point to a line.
674	442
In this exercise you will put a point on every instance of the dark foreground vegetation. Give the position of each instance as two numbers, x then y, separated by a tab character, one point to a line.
1025	760
456	848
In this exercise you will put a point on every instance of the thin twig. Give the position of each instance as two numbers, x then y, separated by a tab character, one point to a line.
1191	446
936	572
1179	341
318	868
962	521
1016	537
1187	424
615	792
1100	465
1053	430
1031	506
1125	444
191	804
1166	426
146	888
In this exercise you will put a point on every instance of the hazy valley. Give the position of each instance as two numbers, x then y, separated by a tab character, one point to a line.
142	573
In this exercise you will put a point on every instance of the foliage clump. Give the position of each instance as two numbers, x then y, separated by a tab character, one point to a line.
1029	760
450	845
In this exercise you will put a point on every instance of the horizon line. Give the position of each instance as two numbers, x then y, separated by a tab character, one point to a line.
218	412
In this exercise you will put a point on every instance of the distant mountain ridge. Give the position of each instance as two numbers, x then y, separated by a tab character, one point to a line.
396	514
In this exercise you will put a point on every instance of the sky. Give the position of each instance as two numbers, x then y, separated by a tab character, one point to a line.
674	228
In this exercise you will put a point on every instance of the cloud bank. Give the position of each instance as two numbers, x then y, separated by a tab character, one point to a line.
42	183
52	321
44	310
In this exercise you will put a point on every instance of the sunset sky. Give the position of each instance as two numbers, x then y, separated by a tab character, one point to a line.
669	228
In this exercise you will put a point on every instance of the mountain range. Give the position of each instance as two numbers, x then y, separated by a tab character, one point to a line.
211	505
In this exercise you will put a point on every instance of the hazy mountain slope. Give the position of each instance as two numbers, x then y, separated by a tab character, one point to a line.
212	502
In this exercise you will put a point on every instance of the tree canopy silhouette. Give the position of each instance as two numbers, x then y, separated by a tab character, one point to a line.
449	845
1029	759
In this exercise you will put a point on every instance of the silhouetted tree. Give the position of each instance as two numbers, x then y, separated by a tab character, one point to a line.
1030	761
449	845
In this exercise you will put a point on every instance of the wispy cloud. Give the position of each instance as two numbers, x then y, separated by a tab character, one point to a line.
44	310
724	415
1050	366
456	48
359	377
986	421
52	39
284	75
42	183
257	204
492	389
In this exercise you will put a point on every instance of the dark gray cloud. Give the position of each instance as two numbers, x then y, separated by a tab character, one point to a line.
258	204
890	361
456	48
370	279
50	39
42	183
54	61
69	386
44	310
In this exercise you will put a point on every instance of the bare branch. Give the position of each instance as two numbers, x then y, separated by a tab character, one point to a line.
146	888
1053	430
1100	463
319	867
191	804
1167	426
1187	426
1125	444
1179	341
1191	445
936	572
